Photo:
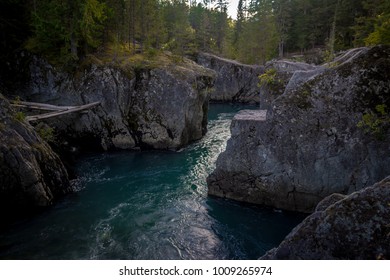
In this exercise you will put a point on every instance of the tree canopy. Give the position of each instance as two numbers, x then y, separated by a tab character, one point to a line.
65	31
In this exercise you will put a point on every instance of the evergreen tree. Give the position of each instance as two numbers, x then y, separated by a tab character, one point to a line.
66	30
238	29
348	12
282	11
381	33
180	34
199	18
373	26
221	24
61	28
93	15
260	39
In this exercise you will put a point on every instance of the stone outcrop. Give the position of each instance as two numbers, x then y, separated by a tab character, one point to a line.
279	74
31	174
235	81
161	108
327	135
356	226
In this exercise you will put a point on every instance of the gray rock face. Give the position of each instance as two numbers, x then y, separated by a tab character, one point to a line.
284	72
355	227
162	108
311	145
31	174
235	81
289	66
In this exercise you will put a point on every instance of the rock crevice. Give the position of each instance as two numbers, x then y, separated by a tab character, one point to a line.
31	174
160	108
342	227
235	82
311	144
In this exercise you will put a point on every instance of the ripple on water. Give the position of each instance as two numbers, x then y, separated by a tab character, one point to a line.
150	205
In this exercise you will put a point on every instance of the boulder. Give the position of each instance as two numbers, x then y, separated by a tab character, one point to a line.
282	73
159	108
354	227
31	174
329	134
235	82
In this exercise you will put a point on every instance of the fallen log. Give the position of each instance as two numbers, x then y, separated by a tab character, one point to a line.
41	106
62	111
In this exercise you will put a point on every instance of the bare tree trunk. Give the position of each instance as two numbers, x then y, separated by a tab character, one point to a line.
332	38
142	25
281	48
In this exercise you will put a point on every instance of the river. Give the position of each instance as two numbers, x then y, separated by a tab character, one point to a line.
150	205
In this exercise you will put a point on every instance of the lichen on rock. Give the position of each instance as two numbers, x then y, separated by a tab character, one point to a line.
162	107
31	174
235	81
356	226
310	145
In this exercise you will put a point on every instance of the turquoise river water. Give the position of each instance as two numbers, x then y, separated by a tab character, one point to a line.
150	205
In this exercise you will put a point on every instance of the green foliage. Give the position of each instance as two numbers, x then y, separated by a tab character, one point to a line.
259	40
301	98
373	24
91	22
212	28
67	31
45	132
381	33
17	100
20	116
268	78
376	123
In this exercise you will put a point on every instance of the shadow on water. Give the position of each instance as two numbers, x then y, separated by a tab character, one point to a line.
150	205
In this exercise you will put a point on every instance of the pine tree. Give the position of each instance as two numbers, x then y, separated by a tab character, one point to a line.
282	11
332	36
381	33
221	23
93	15
198	18
260	39
180	34
373	26
65	30
239	25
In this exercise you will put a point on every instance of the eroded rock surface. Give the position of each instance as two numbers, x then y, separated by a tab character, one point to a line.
354	227
316	140
281	74
31	174
160	108
235	81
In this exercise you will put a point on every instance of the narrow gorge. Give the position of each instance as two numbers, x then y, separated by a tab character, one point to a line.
325	137
313	132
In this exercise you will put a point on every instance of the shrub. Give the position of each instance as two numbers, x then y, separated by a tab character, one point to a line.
376	123
268	78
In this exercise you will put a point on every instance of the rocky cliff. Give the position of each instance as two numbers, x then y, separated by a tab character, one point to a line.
277	76
235	81
343	227
327	133
161	107
31	174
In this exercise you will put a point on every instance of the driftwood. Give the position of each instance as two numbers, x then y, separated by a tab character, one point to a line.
57	110
41	106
